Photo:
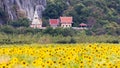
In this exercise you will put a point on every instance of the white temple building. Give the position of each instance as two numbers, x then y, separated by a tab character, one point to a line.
36	22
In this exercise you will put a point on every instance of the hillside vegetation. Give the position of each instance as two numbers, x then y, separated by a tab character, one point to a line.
101	16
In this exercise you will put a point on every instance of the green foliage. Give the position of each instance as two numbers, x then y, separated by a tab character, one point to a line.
68	32
47	39
88	32
7	29
21	30
112	28
72	41
54	9
95	13
102	17
78	8
49	30
60	31
24	22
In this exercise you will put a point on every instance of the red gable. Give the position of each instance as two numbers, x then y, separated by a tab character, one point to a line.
66	19
53	21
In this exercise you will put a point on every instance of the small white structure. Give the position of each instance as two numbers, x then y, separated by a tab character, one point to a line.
36	22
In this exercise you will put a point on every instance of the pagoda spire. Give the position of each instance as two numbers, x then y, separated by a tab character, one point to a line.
36	22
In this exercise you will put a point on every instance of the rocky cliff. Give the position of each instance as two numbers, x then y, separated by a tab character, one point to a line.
22	8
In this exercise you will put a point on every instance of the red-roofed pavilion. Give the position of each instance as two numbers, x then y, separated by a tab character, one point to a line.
83	25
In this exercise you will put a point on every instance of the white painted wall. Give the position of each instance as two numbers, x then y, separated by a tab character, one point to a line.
66	25
37	22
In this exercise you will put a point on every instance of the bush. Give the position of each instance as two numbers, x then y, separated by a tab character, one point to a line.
113	41
62	42
72	41
49	31
24	22
88	32
7	29
68	32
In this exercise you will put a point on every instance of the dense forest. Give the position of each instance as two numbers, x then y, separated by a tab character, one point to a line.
101	16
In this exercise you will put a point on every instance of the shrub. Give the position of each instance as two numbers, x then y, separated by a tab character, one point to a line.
113	41
7	29
68	32
72	40
23	22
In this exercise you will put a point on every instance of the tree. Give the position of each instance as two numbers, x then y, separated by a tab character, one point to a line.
7	29
78	8
91	21
54	9
111	28
24	22
68	32
48	30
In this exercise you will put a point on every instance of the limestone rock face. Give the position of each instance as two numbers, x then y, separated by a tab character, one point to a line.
22	8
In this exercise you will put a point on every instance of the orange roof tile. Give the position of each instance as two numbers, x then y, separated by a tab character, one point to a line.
53	21
66	19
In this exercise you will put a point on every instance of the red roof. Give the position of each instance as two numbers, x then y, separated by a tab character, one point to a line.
53	21
83	24
66	19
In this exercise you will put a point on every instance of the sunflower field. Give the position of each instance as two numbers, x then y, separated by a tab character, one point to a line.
60	56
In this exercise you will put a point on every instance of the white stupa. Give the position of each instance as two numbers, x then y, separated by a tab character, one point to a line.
36	22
